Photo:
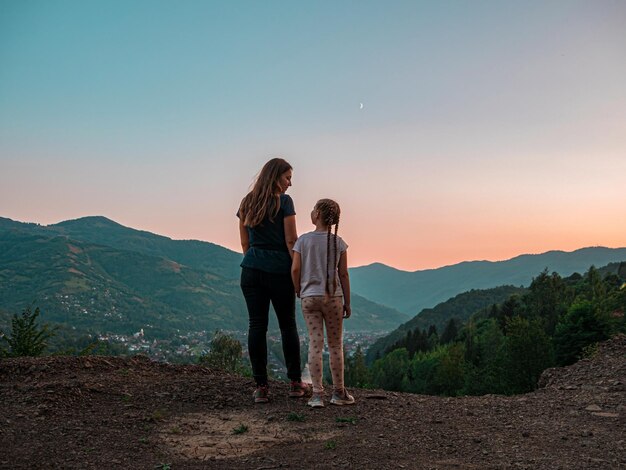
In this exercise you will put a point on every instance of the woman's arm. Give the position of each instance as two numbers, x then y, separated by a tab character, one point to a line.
244	237
291	234
344	278
295	272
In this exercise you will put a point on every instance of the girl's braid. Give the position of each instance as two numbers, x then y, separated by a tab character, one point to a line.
336	250
330	215
327	261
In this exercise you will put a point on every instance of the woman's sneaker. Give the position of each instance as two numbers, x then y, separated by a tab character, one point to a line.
298	389
342	398
316	401
261	394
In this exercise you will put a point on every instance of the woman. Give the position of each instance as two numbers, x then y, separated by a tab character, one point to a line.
267	227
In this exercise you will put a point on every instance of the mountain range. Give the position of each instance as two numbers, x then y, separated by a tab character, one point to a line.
95	273
410	292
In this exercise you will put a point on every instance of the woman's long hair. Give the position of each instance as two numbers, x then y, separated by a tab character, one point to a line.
330	212
264	200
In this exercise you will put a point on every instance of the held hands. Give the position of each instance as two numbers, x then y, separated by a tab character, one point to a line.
347	311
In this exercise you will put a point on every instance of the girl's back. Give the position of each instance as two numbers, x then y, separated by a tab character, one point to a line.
317	251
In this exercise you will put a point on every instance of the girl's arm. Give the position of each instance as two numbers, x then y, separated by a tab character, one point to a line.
296	264
291	234
244	237
344	278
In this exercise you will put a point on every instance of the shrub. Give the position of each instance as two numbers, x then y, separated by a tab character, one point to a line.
27	338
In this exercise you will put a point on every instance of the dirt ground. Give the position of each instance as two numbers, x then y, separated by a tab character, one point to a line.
106	412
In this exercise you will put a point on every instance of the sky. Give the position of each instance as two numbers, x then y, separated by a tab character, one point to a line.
488	129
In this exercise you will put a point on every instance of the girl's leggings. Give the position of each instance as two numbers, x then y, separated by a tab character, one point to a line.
318	311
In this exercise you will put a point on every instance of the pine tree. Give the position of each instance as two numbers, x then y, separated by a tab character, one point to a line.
27	338
450	332
528	352
547	299
356	372
450	375
583	325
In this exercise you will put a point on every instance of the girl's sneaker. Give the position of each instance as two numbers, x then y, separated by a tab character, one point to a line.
316	401
342	398
261	394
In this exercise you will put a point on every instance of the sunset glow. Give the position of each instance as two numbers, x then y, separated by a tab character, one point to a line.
488	130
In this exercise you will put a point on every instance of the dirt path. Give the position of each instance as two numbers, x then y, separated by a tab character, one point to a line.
104	412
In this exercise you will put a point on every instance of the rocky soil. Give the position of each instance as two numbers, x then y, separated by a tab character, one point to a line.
105	412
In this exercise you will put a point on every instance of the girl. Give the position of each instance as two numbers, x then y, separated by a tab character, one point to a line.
267	228
319	260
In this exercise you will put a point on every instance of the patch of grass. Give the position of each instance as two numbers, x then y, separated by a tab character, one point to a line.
330	445
241	429
590	351
157	415
293	416
143	440
163	466
123	371
175	430
126	397
350	420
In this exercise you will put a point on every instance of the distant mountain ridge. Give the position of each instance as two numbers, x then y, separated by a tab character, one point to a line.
410	292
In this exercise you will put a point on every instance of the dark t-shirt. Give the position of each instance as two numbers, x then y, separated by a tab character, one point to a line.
268	249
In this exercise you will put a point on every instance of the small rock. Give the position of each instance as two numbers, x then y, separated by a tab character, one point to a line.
606	415
525	434
593	408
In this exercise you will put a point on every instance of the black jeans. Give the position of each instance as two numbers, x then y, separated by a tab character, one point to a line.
259	289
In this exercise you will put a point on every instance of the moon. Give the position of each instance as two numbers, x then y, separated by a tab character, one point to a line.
360	105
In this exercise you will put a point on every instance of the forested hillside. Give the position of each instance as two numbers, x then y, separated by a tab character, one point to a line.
457	309
505	348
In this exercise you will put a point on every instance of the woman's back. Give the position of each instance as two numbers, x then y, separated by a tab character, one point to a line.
268	250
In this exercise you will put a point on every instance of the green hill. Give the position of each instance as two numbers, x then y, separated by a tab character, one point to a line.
121	280
101	288
461	307
102	231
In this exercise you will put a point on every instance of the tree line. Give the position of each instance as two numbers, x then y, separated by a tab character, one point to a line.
505	348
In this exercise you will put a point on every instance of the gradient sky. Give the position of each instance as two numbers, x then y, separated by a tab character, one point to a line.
489	128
